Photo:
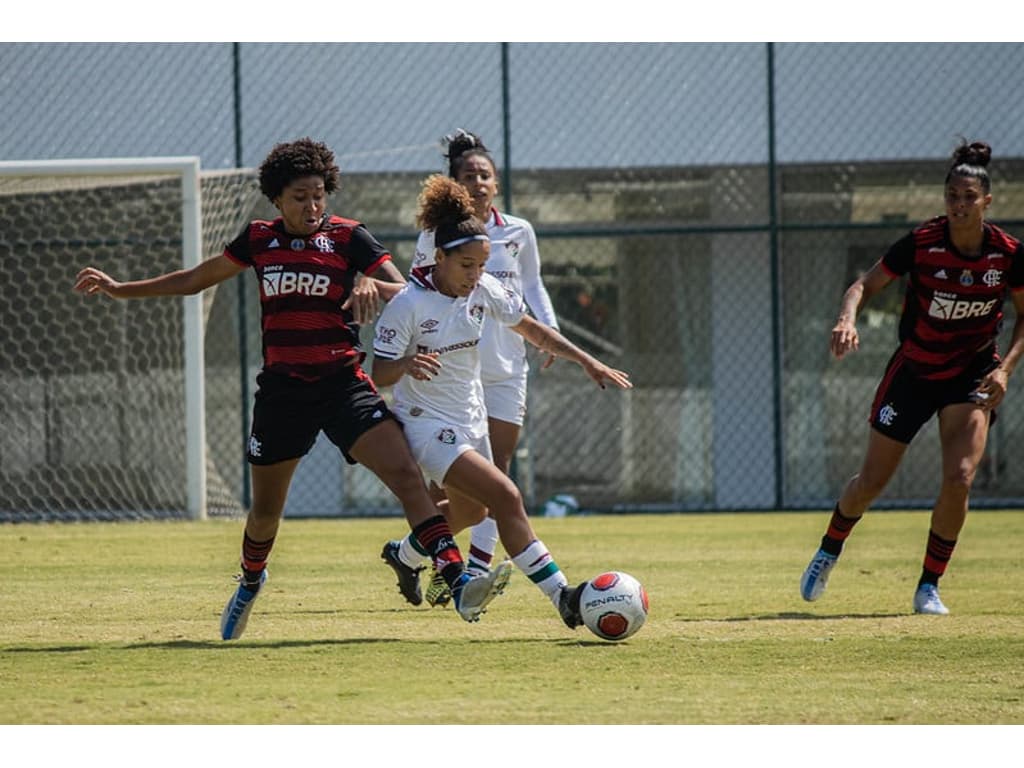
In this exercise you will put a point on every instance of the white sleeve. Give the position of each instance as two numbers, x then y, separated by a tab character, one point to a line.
394	327
424	255
536	295
503	304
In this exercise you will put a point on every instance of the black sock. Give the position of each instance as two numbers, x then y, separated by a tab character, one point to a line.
435	536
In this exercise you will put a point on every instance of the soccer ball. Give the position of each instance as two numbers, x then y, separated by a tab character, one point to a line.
614	605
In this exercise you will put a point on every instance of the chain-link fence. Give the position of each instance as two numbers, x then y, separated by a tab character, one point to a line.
700	209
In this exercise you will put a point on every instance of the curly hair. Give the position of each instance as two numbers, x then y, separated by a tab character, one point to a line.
461	146
970	160
445	206
293	160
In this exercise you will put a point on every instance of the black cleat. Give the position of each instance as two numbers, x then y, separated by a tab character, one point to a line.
569	605
408	578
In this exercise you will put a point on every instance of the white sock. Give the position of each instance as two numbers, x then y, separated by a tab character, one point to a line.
540	568
483	541
411	554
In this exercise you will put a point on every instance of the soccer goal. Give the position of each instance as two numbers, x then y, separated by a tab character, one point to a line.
103	402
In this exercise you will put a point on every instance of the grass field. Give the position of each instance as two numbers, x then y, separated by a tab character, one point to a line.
118	624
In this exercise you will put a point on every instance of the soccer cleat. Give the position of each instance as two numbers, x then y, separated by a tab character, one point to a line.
569	605
408	578
815	577
927	600
236	612
437	590
473	594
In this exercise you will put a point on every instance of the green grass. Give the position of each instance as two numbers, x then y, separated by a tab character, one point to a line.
118	624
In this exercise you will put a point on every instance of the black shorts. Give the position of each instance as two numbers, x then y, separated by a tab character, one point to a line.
289	414
904	400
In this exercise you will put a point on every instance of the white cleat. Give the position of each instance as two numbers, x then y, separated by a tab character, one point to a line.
475	593
927	600
815	577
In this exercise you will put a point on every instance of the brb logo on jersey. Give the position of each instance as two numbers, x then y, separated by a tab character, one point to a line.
948	307
283	283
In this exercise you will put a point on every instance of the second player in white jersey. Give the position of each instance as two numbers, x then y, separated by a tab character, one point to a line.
515	263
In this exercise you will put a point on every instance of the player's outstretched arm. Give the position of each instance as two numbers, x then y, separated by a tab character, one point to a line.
551	341
184	282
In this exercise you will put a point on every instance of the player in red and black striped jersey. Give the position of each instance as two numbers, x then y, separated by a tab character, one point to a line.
304	282
312	299
959	270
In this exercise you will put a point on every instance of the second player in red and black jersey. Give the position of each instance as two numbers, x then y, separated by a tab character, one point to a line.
953	308
304	281
959	271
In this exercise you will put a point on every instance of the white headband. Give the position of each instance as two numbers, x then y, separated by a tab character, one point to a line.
462	241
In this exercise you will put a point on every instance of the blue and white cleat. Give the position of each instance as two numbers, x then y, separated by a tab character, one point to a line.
473	594
927	600
815	577
236	612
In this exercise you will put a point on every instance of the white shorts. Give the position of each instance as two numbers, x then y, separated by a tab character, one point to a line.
505	400
437	444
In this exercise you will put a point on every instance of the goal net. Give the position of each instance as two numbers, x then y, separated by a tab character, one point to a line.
107	405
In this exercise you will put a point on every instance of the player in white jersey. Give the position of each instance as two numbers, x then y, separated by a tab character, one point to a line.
428	346
514	260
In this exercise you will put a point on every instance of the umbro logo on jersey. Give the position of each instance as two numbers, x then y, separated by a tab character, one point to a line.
429	325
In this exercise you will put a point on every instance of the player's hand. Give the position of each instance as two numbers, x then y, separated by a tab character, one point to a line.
844	338
549	362
601	373
992	390
423	366
91	280
364	300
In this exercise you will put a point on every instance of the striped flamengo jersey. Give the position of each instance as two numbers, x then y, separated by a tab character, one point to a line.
953	307
303	283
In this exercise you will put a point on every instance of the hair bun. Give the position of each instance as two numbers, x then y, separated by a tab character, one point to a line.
977	153
461	141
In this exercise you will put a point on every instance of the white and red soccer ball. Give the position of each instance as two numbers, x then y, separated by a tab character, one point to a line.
614	605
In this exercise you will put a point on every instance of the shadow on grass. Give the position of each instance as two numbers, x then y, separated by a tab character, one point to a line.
796	616
321	643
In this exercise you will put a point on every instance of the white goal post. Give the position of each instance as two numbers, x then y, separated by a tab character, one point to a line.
187	168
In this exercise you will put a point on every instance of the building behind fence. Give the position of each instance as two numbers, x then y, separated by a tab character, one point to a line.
700	210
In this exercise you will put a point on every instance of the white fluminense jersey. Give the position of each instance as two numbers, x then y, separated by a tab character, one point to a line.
421	319
515	262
